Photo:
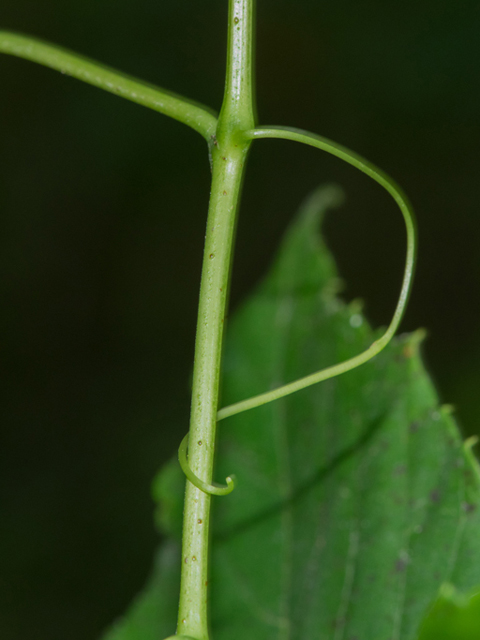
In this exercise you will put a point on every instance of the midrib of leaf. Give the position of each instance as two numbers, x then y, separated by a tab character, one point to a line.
323	529
350	566
323	523
284	314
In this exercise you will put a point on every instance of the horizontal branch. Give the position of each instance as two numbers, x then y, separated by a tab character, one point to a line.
196	116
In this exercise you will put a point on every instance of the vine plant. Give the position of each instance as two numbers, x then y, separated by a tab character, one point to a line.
229	137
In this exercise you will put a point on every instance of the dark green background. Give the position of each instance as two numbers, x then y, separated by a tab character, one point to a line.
102	218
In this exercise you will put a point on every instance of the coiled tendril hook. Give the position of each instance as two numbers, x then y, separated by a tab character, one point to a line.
212	489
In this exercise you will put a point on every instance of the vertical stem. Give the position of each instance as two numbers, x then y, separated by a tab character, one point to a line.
227	175
228	164
238	109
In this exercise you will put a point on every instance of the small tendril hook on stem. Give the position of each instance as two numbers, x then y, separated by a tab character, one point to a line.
211	489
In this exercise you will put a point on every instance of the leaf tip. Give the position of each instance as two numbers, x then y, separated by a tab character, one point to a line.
357	305
413	341
324	197
319	201
447	409
470	443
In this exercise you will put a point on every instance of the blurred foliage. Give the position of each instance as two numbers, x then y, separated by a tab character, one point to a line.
452	617
102	216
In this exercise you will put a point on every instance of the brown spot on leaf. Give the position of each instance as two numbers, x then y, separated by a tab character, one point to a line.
400	565
414	427
338	622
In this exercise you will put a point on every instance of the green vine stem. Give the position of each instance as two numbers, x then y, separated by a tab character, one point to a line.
229	156
229	138
200	118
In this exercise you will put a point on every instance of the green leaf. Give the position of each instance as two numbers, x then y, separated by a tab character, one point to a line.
168	488
356	498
